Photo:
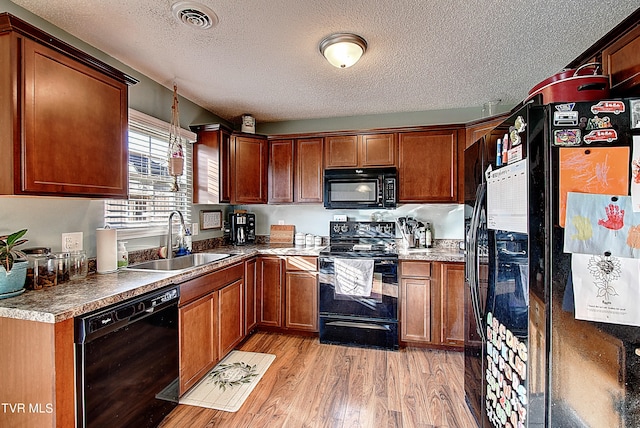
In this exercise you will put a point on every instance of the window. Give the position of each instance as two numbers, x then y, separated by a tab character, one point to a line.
146	211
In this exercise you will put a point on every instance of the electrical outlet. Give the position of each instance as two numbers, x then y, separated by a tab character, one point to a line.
72	241
194	229
280	222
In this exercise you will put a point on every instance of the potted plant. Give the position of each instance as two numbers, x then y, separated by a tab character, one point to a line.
13	264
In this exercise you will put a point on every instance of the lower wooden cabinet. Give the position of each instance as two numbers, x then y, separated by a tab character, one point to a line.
432	303
250	295
198	344
270	295
230	316
288	290
301	293
452	303
415	302
211	321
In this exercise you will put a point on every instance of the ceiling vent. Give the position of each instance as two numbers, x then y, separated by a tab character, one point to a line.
194	15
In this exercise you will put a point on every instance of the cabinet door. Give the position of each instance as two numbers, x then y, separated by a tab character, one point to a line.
415	315
281	171
378	150
341	151
302	301
249	170
208	172
198	344
427	164
250	295
621	62
309	170
231	317
225	166
75	127
270	289
452	295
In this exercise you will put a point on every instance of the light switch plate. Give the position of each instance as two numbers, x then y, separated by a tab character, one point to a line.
72	241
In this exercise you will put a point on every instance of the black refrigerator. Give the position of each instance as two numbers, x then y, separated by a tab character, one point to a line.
532	356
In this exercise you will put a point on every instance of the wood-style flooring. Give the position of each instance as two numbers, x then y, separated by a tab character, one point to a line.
315	385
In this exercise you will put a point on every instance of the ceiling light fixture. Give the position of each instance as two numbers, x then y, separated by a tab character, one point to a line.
194	15
342	50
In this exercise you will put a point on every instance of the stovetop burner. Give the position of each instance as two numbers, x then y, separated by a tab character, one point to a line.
361	239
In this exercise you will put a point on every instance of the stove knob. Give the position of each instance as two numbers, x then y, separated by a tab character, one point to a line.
336	228
344	228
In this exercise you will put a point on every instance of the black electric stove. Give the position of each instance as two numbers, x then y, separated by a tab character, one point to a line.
369	320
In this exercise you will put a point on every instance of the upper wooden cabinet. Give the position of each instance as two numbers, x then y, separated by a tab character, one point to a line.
212	165
248	169
366	150
295	170
428	166
64	118
621	62
281	170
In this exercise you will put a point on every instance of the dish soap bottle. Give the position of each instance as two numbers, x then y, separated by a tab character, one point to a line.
123	255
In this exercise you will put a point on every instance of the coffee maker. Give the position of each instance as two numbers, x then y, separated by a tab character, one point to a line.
242	228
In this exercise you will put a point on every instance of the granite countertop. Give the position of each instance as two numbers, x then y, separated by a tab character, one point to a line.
78	297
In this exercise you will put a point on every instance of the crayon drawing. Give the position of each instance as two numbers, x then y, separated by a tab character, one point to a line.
593	170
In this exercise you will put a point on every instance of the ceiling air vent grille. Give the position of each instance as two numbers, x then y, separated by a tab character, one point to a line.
194	15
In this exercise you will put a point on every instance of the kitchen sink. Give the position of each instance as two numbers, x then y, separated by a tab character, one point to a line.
178	263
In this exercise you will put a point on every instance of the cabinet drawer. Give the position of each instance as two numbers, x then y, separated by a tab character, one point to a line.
422	269
304	263
205	284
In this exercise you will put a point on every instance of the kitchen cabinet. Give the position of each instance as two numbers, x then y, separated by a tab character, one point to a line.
281	171
248	169
212	165
250	295
295	170
198	344
301	293
230	316
270	289
415	302
452	304
64	116
37	368
365	150
621	62
211	323
432	304
308	170
428	166
288	289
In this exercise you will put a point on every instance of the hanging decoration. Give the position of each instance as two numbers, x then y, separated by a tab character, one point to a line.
175	153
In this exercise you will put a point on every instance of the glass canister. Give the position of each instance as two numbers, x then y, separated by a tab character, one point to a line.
78	266
59	266
38	274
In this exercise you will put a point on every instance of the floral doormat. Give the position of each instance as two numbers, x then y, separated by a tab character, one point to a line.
230	382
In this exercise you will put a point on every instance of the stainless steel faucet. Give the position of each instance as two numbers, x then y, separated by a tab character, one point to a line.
170	233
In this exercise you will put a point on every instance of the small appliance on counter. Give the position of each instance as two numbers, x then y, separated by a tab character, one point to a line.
241	229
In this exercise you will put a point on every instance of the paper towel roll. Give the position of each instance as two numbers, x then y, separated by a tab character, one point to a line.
107	254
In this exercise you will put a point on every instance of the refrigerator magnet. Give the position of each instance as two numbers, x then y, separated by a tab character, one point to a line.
566	137
635	113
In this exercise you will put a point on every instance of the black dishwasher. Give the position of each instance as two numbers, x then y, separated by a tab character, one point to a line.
126	355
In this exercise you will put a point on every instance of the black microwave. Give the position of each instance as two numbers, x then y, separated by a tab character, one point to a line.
360	188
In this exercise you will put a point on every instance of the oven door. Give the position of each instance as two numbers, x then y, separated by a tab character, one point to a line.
382	303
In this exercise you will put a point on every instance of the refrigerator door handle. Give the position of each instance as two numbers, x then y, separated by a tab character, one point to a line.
472	259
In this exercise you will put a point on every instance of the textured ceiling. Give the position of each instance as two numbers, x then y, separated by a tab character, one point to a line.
263	58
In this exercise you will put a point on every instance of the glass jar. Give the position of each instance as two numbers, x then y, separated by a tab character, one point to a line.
38	274
59	266
78	266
